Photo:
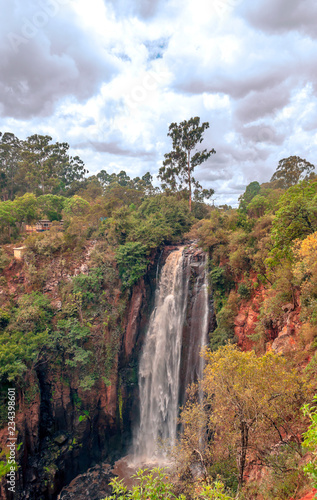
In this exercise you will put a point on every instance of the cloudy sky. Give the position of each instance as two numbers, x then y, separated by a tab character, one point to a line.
109	76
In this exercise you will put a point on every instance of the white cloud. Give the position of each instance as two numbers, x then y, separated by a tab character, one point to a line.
109	76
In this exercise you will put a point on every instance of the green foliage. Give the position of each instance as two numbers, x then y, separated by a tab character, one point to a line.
36	165
227	470
51	206
10	161
25	336
84	417
109	181
250	192
5	466
161	219
14	213
179	165
4	318
34	313
88	286
247	412
258	206
244	291
4	260
19	352
132	261
154	485
47	243
220	280
224	331
310	441
68	341
75	206
291	171
296	217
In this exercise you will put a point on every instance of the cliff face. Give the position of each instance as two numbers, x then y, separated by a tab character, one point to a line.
57	444
281	336
64	429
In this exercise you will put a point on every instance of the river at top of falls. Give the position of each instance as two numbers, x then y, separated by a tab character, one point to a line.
160	372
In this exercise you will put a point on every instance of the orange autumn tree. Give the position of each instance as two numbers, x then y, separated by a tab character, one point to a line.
305	273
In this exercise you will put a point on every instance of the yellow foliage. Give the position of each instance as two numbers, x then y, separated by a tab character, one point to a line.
305	273
306	257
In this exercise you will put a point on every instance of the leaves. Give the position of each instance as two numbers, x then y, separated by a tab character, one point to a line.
176	173
291	170
36	165
132	261
310	441
153	485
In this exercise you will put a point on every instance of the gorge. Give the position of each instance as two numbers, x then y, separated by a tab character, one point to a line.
165	325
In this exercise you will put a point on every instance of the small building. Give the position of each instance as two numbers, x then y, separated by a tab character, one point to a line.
19	252
41	226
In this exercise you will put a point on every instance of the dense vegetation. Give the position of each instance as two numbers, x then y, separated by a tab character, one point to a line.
65	303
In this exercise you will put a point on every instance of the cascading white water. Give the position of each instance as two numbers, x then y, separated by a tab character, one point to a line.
160	360
160	386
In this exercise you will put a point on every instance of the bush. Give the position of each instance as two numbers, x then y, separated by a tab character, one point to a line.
132	261
46	243
220	280
310	441
4	260
19	352
244	291
153	485
225	323
34	313
88	285
4	318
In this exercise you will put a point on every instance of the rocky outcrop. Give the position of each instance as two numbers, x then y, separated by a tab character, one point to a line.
310	496
93	485
281	336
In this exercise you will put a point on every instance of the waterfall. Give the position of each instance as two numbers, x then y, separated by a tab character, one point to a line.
170	358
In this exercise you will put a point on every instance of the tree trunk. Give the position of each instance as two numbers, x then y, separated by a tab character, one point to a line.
244	435
189	181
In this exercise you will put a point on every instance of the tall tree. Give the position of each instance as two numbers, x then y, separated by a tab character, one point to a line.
10	160
122	179
251	191
179	165
291	170
48	167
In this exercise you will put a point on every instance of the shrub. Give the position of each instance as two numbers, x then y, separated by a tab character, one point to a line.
153	485
244	291
310	441
132	261
225	323
220	280
4	318
33	314
4	260
46	243
88	285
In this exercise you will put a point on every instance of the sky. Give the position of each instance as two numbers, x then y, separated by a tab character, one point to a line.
109	76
